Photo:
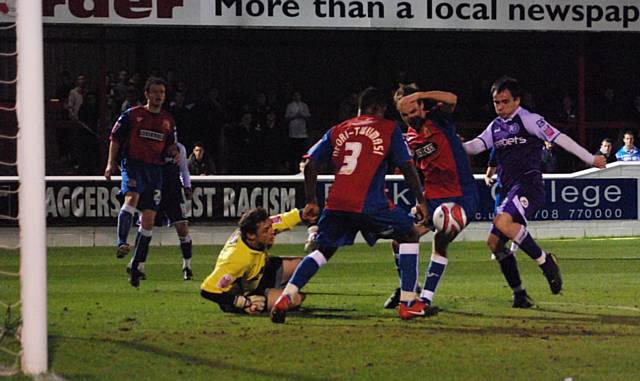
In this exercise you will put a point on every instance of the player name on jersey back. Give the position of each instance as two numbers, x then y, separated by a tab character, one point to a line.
370	132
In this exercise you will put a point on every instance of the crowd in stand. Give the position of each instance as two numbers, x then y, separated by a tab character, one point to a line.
266	131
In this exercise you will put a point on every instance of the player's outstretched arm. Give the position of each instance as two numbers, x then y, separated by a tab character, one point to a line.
474	146
577	150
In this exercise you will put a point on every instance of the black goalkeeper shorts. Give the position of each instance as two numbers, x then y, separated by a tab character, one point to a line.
272	276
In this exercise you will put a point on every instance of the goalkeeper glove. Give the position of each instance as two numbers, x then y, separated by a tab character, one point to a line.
241	302
257	304
311	243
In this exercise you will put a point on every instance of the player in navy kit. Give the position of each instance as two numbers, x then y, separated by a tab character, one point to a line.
518	137
439	155
142	137
176	191
360	149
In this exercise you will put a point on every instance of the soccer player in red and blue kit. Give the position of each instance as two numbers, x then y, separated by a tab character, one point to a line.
142	137
360	149
439	155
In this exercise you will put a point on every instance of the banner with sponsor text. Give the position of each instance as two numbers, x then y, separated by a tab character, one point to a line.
78	201
549	15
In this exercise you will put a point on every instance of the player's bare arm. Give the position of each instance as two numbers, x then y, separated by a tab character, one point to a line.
310	213
310	181
446	100
413	181
488	177
114	148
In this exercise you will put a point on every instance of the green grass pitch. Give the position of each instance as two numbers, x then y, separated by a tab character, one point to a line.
102	329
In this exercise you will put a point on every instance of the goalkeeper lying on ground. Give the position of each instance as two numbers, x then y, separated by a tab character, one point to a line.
246	278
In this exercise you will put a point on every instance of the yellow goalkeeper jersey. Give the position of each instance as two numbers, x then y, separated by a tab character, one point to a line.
240	267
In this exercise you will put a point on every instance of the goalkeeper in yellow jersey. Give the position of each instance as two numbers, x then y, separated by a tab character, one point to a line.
246	277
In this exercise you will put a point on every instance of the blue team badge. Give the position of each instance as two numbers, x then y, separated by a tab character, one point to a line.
514	128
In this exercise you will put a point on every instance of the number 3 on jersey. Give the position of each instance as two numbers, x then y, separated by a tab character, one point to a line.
350	160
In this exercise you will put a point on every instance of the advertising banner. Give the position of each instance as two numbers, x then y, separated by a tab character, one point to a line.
96	202
548	15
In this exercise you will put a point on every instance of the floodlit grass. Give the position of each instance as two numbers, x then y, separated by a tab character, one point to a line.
102	329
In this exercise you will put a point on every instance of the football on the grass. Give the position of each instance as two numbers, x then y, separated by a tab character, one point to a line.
449	218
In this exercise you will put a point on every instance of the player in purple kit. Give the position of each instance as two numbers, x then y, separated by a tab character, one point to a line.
360	149
439	155
142	137
518	136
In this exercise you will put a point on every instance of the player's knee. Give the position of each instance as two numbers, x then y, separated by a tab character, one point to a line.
183	229
502	221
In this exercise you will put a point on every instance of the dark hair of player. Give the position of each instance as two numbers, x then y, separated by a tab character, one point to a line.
606	140
370	99
250	219
154	81
507	83
403	91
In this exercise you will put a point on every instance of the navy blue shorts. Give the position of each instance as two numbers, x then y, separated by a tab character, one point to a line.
523	200
144	179
337	229
173	204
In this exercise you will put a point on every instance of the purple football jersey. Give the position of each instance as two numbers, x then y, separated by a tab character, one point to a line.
518	143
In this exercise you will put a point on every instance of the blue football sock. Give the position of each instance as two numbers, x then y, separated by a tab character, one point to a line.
434	274
125	217
408	262
307	268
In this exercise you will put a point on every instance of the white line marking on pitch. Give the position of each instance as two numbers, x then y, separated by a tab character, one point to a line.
592	305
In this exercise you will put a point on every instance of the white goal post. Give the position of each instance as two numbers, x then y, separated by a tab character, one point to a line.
31	170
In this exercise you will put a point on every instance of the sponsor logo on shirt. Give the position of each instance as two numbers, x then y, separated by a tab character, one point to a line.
546	128
147	134
426	150
225	281
510	142
548	131
276	219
